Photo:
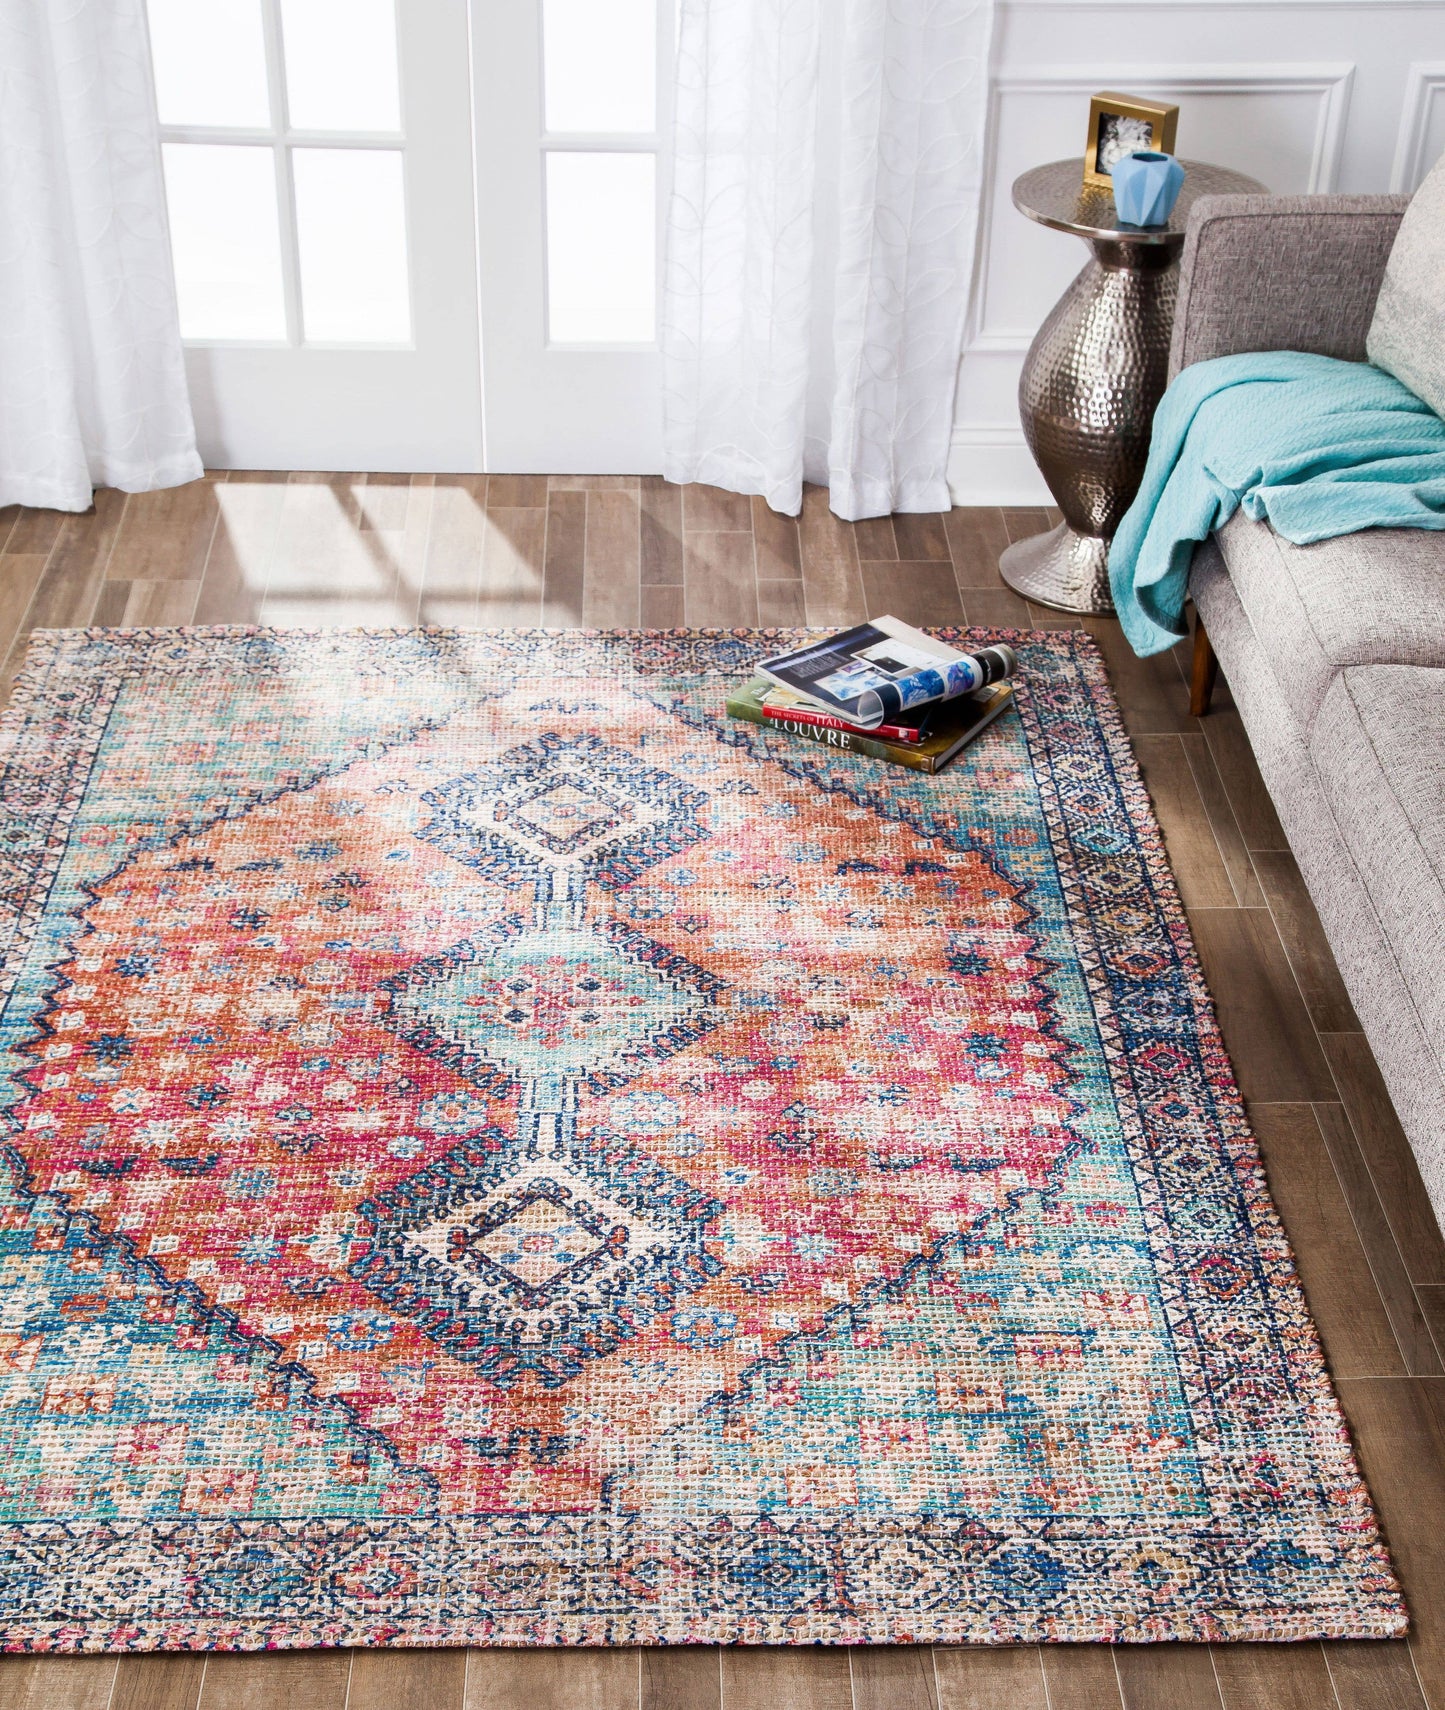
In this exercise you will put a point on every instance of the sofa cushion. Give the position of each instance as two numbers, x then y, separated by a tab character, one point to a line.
1372	598
1378	743
1407	335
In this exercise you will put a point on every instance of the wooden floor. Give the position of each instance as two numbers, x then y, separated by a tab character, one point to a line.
320	549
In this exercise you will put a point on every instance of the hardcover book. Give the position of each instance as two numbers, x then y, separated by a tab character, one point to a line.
951	729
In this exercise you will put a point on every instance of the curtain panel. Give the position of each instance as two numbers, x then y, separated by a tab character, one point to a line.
820	242
92	386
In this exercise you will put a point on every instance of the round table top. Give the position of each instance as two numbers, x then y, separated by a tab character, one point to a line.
1056	195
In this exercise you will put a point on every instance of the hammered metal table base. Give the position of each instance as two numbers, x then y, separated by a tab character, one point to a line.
1094	372
1063	569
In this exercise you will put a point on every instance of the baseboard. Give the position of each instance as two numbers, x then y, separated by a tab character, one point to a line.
989	464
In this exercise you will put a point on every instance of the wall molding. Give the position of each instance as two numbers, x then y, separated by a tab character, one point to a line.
1424	83
1330	81
989	463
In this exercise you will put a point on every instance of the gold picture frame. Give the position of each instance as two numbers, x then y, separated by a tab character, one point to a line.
1109	116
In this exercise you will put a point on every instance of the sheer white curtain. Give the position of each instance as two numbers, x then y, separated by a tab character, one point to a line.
92	389
820	245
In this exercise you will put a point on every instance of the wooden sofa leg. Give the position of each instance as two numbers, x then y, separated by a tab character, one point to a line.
1205	672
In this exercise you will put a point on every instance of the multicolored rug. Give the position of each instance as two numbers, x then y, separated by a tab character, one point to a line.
499	1154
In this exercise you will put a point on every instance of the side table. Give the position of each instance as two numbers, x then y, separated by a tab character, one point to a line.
1094	374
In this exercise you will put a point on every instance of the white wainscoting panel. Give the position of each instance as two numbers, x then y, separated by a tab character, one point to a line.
1422	124
1305	95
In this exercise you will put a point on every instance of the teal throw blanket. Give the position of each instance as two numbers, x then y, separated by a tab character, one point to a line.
1316	446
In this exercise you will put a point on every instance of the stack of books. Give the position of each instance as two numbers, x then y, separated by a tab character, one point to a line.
884	690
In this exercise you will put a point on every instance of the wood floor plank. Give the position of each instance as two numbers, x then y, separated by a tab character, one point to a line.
995	608
1194	853
893	1677
1284	1677
1248	893
611	589
1080	1677
921	534
20	575
395	521
980	1677
1388	1153
56	1683
1387	1266
711	510
1398	1426
408	1680
1023	522
146	605
681	1677
780	557
1051	618
921	591
786	1678
1267	1029
662	608
516	492
34	531
873	537
277	1680
1305	944
595	1679
239	562
452	568
1343	1295
719	579
832	585
1151	692
513	567
166	534
158	1682
1167	1677
781	604
383	503
70	584
1379	1676
1224	732
563	570
594	483
976	540
1431	1297
661	548
324	569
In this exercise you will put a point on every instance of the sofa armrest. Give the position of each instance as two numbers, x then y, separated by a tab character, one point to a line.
1281	273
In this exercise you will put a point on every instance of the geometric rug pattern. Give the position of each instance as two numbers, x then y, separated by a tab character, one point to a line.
498	1153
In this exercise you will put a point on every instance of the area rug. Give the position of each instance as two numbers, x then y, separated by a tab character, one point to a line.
501	1155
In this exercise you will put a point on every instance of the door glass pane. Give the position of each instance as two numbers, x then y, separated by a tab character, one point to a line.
341	65
600	64
351	233
210	62
601	248
225	237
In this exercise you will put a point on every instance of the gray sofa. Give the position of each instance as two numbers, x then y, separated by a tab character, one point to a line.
1335	653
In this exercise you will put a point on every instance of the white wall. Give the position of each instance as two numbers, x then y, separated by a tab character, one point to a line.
1305	95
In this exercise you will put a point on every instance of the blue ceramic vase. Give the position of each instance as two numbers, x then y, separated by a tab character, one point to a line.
1146	187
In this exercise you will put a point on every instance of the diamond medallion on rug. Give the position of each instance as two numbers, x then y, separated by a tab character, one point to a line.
499	1154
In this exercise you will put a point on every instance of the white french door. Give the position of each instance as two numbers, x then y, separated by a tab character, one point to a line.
572	109
418	234
319	180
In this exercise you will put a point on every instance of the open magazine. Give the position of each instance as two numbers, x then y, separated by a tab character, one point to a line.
880	669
